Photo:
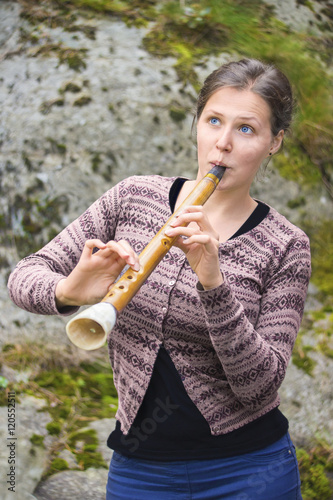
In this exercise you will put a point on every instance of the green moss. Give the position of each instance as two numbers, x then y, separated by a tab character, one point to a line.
88	436
297	202
46	106
89	31
57	147
72	87
73	58
81	395
95	162
300	357
306	3
136	12
57	465
88	459
3	221
53	428
3	382
314	466
326	348
74	395
82	101
86	455
177	114
187	37
20	357
321	241
37	440
324	331
3	397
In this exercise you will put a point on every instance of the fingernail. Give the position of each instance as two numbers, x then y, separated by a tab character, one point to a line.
136	266
168	232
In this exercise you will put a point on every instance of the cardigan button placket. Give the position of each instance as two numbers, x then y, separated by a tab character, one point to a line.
175	268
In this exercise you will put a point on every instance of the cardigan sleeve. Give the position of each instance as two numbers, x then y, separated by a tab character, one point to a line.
255	357
32	283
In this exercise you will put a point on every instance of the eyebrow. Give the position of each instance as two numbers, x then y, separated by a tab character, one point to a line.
241	118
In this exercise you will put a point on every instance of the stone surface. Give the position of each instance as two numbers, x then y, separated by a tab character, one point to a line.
69	485
302	16
29	460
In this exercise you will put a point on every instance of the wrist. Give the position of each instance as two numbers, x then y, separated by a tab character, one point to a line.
60	295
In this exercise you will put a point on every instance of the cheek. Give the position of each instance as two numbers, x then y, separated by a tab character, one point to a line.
254	153
203	147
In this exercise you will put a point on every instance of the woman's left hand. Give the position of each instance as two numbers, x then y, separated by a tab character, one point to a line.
200	242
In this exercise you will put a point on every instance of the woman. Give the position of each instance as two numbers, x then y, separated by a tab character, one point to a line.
200	352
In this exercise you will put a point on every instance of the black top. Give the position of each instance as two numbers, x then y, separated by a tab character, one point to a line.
168	425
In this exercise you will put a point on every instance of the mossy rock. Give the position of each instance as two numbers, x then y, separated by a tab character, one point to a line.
88	436
86	455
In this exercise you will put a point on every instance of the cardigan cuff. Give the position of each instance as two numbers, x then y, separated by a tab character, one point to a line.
220	304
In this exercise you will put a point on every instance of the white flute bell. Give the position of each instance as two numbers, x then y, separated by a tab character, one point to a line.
89	329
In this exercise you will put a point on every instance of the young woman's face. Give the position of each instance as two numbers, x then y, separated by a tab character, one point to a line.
234	130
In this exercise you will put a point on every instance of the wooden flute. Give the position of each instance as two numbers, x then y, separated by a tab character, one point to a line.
89	329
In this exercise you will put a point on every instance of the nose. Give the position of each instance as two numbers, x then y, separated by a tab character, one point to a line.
224	140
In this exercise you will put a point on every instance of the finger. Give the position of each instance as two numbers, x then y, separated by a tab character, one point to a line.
125	252
95	243
202	239
90	245
189	214
133	258
194	217
180	231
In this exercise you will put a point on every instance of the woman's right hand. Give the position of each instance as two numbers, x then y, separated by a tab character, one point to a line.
95	272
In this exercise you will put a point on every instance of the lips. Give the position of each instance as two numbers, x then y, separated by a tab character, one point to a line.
218	164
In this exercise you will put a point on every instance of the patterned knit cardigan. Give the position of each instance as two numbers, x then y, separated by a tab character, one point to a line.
231	345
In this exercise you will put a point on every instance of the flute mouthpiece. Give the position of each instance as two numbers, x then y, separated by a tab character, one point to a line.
218	171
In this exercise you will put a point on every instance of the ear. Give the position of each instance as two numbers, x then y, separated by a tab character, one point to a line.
276	143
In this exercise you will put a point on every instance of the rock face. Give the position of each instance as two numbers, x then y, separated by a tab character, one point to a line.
70	131
78	114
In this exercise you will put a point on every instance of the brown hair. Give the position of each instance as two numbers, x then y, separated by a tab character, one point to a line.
265	80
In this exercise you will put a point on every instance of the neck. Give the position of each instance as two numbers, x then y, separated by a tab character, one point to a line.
227	212
230	204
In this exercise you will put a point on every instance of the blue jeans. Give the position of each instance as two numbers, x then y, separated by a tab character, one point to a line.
268	474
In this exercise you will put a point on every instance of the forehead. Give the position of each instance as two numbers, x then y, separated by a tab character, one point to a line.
234	102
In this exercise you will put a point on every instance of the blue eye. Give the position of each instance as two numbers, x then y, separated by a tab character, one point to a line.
214	121
246	130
